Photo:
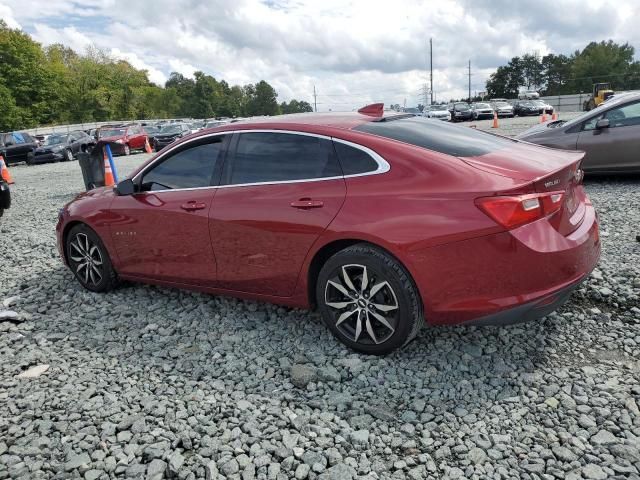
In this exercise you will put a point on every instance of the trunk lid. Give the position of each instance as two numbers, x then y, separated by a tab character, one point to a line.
543	170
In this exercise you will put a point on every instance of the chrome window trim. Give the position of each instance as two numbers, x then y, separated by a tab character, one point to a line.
383	165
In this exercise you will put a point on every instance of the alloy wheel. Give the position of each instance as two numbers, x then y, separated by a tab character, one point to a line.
87	260
363	305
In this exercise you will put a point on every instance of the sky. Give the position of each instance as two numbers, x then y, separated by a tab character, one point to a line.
354	52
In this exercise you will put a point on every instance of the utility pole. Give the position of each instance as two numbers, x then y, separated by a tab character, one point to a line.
431	68
315	104
469	81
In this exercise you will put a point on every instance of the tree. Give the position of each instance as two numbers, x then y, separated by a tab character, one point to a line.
262	100
295	106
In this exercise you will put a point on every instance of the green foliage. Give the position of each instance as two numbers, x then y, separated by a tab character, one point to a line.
295	106
54	85
605	61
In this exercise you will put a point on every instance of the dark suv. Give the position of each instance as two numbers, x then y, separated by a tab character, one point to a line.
17	147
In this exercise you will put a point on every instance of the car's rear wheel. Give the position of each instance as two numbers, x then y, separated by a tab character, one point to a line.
89	260
368	300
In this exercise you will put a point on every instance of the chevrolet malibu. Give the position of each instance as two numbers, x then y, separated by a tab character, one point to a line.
384	222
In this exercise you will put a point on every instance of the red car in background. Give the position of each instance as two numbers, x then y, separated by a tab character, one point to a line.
384	222
124	138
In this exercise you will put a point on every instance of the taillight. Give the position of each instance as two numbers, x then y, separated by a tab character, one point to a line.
517	210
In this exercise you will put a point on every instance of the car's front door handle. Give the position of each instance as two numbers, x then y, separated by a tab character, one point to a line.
307	203
192	206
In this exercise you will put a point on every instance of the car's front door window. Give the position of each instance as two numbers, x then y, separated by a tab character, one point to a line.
192	167
624	116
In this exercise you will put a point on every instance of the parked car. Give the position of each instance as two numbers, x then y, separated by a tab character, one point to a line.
17	147
523	108
502	108
215	123
123	138
528	95
544	106
63	146
152	131
480	110
169	134
609	134
460	111
412	110
287	218
5	196
441	112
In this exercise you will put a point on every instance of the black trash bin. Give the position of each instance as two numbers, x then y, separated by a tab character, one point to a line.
92	165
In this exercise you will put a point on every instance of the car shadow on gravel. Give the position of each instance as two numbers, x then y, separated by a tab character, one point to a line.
251	347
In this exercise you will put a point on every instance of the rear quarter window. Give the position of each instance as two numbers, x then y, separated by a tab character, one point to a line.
353	160
437	136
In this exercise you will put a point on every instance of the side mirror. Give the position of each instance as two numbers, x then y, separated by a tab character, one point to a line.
602	123
125	187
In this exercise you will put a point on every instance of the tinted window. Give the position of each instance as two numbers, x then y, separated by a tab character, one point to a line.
189	168
624	116
439	136
273	157
353	160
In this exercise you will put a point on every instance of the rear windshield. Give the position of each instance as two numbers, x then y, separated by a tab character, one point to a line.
438	136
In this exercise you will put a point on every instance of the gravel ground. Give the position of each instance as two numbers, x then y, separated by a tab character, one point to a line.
146	382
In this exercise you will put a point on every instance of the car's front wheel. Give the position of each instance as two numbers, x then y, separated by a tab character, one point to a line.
68	156
89	260
127	149
368	300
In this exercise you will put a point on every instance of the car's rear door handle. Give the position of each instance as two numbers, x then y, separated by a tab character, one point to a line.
307	203
193	205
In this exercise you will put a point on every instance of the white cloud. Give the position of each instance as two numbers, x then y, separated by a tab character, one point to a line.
6	14
353	52
155	75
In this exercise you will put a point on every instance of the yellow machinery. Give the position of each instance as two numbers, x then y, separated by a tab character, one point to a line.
601	91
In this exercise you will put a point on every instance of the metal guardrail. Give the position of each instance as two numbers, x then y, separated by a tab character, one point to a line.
48	129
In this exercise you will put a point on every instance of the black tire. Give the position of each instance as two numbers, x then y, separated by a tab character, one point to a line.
127	149
396	301
83	245
68	155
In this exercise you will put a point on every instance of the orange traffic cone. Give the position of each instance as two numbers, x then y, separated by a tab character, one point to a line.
543	118
554	116
4	172
495	120
108	174
147	147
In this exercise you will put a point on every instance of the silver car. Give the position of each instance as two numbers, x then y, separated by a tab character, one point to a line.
609	134
437	111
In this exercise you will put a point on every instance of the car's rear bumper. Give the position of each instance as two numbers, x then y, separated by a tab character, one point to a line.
528	311
522	273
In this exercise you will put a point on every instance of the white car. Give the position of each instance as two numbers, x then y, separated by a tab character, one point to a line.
437	111
528	95
503	108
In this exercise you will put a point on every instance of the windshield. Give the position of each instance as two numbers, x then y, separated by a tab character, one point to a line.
461	106
502	104
55	139
482	105
437	107
171	129
111	132
151	129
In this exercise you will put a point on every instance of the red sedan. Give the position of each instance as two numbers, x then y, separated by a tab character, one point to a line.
382	222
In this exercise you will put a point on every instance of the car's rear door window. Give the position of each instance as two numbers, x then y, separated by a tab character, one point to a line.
267	157
438	136
191	167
